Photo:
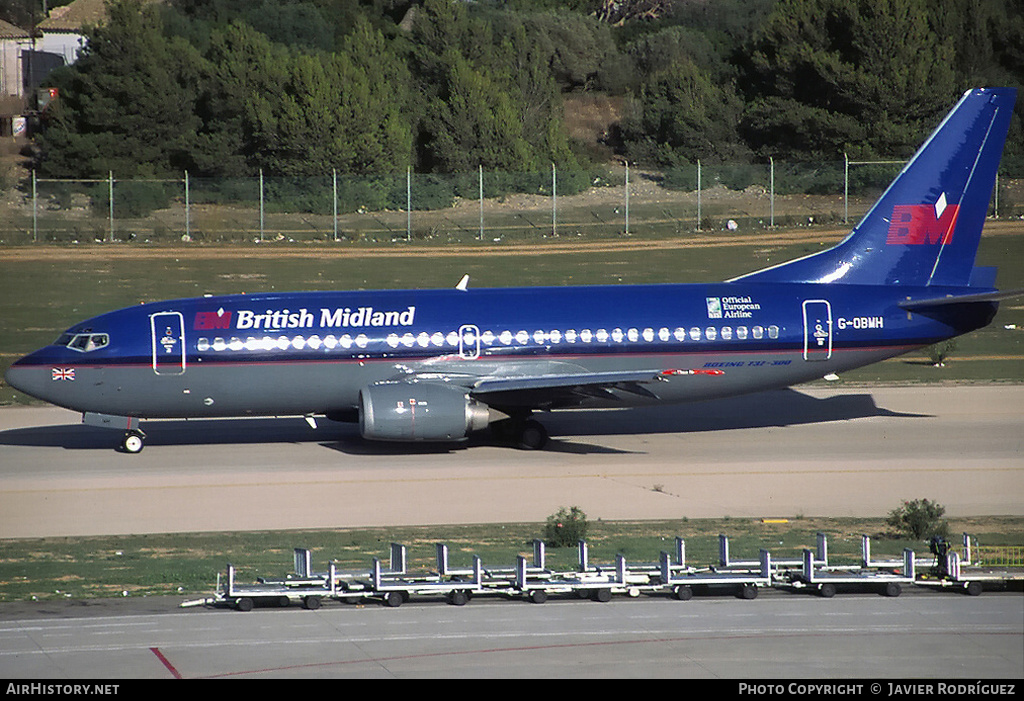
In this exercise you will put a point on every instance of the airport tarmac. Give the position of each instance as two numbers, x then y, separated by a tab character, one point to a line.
813	451
810	451
923	635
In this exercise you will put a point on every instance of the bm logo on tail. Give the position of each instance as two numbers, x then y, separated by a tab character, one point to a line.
917	224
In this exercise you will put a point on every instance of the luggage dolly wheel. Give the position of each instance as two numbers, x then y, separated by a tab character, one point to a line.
683	592
458	598
893	589
244	604
827	590
394	599
973	588
133	442
311	603
748	591
602	595
538	596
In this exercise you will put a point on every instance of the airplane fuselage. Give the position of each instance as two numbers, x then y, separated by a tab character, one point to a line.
312	352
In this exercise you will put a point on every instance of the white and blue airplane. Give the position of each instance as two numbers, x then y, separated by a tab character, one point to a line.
437	365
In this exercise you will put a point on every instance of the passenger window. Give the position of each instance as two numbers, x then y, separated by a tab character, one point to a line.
773	332
726	333
694	334
757	332
711	333
741	333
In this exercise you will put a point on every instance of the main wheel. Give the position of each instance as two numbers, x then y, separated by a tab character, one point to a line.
532	436
133	442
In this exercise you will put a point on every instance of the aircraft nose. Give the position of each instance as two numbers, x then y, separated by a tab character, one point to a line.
28	378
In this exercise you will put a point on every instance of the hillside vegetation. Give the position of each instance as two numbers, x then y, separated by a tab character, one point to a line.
229	88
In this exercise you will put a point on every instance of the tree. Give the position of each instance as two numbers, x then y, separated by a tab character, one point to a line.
681	115
333	110
939	352
566	527
488	97
918	518
127	105
828	76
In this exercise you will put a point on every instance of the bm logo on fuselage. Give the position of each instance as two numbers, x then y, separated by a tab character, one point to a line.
209	321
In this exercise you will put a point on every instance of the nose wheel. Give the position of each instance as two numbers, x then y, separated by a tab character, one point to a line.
133	442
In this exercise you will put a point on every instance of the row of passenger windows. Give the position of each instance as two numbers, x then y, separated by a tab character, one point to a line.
468	337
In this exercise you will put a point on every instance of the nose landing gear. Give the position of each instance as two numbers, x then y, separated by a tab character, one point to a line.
133	441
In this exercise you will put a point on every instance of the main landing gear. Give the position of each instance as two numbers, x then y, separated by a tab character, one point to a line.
521	431
133	441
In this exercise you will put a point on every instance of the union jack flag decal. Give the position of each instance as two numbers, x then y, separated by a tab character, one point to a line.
63	374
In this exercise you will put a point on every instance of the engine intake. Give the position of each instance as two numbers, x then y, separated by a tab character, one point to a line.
403	411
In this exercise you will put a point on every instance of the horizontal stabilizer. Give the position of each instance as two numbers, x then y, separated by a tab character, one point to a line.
932	302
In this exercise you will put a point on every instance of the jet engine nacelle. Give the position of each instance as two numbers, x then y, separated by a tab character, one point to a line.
403	411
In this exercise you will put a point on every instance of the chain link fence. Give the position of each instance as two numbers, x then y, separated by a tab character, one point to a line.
489	207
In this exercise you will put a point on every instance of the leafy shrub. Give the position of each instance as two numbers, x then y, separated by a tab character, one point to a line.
939	352
918	518
566	527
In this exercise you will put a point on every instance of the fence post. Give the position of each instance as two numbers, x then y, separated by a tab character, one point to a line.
554	202
35	210
996	211
188	224
771	197
481	201
698	194
334	190
627	198
408	203
261	205
111	189
846	188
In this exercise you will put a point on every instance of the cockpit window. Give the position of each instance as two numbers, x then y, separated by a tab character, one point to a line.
83	342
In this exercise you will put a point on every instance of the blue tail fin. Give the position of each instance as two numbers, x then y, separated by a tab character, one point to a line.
925	228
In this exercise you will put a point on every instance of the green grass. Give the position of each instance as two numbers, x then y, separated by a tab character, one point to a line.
188	564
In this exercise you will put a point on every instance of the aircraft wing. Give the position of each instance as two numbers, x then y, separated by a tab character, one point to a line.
551	391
